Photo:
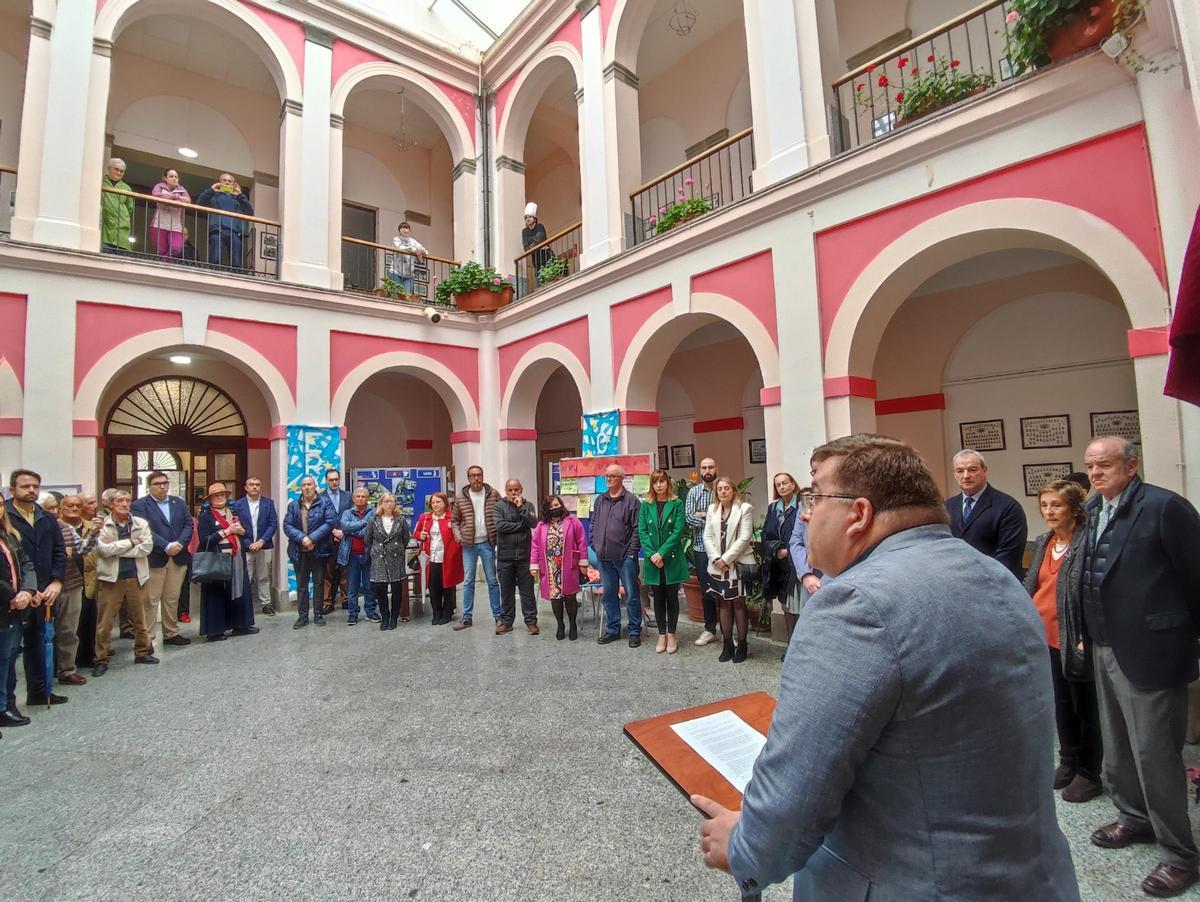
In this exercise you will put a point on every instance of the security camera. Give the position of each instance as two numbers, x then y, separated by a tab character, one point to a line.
1115	45
432	315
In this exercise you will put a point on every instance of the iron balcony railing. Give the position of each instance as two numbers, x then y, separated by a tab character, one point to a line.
384	271
962	58
182	234
555	258
714	179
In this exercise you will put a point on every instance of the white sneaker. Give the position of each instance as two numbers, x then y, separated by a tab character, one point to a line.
705	638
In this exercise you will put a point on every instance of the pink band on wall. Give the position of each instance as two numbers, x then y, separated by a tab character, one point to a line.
1149	342
911	404
639	417
850	387
258	444
467	435
11	425
277	433
419	444
85	428
771	396
518	435
729	424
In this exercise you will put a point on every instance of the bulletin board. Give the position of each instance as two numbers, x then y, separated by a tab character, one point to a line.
580	479
412	486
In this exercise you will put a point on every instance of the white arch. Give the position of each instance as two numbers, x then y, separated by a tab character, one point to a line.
116	15
264	375
625	30
644	355
530	85
529	376
434	373
978	228
448	117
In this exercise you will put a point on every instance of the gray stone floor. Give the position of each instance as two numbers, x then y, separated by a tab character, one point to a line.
353	763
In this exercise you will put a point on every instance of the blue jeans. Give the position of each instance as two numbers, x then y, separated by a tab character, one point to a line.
485	552
407	283
229	240
358	579
612	575
10	640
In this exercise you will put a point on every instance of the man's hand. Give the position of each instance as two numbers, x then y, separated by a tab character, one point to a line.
50	594
714	832
173	549
781	553
811	583
657	560
307	543
337	534
722	565
256	546
21	601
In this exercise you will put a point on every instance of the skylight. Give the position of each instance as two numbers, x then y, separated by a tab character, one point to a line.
464	25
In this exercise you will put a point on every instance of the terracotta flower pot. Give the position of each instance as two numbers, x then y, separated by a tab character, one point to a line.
695	600
483	300
1083	30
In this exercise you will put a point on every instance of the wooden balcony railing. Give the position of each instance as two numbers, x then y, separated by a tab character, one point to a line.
386	271
555	258
962	58
714	179
183	234
8	192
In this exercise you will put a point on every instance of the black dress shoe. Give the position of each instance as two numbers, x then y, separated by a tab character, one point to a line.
219	637
608	637
100	669
635	641
177	640
245	631
300	623
13	718
43	700
147	659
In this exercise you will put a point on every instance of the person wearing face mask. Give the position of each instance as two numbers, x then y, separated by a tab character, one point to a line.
166	226
226	233
515	520
558	561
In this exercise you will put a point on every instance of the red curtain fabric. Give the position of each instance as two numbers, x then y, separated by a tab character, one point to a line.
1183	369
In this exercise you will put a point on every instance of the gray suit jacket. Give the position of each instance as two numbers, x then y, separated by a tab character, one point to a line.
911	752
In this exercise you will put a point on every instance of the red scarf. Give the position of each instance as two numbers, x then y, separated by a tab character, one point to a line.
225	524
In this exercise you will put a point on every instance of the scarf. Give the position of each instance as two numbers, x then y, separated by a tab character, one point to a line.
225	524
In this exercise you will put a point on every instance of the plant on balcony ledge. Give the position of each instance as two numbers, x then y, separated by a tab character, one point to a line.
1045	31
474	288
683	209
393	290
552	270
938	84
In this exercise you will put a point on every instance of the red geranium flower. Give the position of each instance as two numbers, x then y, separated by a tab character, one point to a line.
871	68
954	64
859	86
883	81
903	62
899	96
930	58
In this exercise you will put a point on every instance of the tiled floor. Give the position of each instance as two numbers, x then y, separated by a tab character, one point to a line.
354	763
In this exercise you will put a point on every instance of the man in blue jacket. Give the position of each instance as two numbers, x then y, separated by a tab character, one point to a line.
225	233
42	542
309	524
171	523
259	517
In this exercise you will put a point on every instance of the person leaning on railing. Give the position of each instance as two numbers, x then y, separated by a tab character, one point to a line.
226	232
534	234
116	210
404	264
166	228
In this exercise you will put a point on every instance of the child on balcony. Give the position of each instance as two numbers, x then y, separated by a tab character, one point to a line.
404	264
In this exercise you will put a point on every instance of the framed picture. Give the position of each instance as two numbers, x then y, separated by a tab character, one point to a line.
1121	423
268	246
663	462
1037	475
982	435
1046	432
683	456
758	450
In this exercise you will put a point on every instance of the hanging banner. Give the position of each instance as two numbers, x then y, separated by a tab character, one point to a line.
311	451
601	433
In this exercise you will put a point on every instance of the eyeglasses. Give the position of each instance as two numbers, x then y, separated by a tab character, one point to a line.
159	482
808	500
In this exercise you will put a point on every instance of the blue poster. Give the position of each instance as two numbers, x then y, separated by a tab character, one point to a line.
311	451
600	433
412	486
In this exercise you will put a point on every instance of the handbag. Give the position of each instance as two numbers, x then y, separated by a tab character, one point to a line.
212	567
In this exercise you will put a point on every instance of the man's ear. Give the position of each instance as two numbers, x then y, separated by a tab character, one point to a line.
860	517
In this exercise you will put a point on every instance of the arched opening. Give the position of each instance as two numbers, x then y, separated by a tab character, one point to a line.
194	89
395	419
397	167
947	375
200	423
14	51
557	419
699	416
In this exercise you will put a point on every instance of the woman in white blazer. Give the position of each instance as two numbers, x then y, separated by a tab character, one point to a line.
728	541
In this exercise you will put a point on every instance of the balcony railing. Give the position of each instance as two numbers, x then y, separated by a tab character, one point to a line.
386	271
964	57
8	192
555	258
183	234
714	179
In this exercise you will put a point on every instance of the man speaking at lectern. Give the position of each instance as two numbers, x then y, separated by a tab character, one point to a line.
910	754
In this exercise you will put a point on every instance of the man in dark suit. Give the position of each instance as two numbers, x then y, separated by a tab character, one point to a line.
171	524
1141	607
335	576
984	517
258	515
42	543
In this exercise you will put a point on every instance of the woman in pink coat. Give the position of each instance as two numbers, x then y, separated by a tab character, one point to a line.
558	559
166	226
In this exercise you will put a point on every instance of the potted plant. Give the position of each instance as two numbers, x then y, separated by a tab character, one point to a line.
553	270
924	89
475	288
680	210
1040	32
392	290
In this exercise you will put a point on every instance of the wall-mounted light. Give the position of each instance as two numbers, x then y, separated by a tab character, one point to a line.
188	152
181	359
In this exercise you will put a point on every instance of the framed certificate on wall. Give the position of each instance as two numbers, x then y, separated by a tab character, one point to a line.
1046	432
982	435
1037	475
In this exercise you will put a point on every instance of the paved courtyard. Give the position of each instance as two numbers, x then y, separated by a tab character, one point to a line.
357	764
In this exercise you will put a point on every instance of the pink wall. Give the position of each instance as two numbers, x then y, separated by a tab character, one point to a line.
12	337
572	335
629	316
347	351
750	282
101	327
274	341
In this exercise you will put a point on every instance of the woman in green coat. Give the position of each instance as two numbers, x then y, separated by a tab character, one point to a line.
116	210
660	528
